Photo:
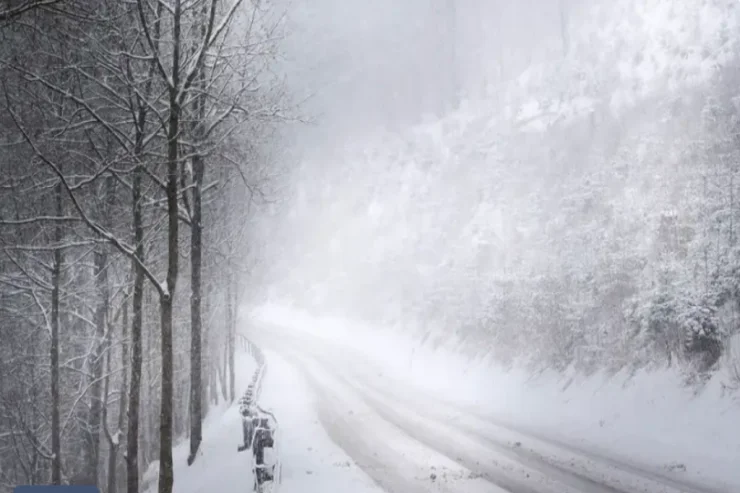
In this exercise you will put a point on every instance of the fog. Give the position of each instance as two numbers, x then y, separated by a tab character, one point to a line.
363	65
534	179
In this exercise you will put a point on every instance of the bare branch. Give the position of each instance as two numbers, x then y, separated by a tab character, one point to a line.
14	12
99	230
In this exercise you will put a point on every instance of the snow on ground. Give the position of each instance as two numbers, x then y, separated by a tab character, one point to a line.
649	417
311	462
396	460
218	467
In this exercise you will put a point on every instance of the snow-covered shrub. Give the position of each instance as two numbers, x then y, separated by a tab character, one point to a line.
703	343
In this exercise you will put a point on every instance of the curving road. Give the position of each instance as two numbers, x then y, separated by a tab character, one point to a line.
410	442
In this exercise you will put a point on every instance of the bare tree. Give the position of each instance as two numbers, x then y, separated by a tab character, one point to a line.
131	125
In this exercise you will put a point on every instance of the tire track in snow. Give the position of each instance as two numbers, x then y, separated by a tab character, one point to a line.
582	471
503	465
622	464
397	462
394	470
595	471
493	460
450	429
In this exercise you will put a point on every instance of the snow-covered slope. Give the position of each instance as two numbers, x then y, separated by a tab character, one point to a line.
581	211
218	466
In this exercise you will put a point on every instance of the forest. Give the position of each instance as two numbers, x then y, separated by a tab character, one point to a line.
134	138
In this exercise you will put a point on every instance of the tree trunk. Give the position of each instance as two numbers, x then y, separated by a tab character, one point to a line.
97	357
115	444
101	343
166	477
56	448
137	304
134	394
196	263
151	389
196	368
106	393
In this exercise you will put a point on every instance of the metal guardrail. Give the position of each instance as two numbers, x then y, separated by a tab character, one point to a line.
251	396
259	427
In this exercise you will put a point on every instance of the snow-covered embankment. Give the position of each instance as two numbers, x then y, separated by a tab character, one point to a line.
218	466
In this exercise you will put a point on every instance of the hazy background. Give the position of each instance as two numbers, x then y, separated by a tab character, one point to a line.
547	181
368	64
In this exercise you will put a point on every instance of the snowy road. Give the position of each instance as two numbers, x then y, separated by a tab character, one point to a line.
407	441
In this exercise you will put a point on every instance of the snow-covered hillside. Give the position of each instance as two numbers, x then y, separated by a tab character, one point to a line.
580	211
